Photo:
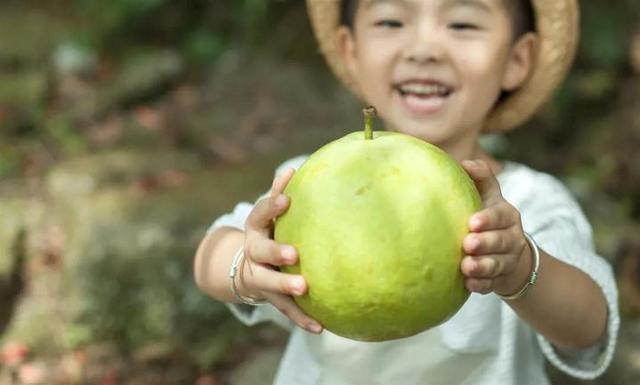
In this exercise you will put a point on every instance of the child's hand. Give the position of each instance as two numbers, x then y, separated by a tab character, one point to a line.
261	278
498	258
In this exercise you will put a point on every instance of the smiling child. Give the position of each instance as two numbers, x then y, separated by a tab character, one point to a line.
446	72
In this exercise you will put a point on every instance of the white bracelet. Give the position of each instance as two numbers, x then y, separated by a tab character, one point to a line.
233	272
534	274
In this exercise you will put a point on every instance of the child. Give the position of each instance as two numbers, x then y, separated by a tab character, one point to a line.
445	71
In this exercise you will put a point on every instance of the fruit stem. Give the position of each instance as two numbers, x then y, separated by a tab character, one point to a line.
369	113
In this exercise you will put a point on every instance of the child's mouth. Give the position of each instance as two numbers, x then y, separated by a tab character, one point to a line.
423	97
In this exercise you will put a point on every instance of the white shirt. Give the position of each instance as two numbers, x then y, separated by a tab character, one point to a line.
485	343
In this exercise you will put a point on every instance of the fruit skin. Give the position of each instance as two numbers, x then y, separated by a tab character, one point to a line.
378	225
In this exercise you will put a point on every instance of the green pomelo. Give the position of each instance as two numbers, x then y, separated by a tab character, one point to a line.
378	224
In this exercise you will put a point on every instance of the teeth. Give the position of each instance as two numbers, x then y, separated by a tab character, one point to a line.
424	89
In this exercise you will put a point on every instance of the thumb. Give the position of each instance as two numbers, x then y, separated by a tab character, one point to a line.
281	181
485	180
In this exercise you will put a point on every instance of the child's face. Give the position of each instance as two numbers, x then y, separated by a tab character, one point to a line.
435	68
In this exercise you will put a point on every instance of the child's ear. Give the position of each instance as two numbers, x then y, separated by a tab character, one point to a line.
521	61
346	46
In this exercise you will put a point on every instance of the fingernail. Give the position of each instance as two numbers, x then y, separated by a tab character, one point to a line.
281	200
469	266
288	253
476	222
314	327
297	286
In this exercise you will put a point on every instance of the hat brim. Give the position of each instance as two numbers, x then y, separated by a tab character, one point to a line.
557	23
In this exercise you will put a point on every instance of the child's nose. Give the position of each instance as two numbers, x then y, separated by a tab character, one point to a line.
424	46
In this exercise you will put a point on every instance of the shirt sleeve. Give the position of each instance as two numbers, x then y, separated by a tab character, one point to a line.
251	315
562	230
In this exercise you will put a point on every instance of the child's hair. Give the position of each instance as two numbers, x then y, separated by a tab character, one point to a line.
522	15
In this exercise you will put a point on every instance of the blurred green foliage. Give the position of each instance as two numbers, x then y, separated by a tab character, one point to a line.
99	42
200	31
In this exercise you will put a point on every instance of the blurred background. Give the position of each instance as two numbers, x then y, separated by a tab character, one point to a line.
127	126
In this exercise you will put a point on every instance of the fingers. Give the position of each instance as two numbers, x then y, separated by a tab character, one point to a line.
266	210
500	216
483	267
485	180
278	288
261	217
268	251
262	252
481	273
264	280
489	242
281	181
289	308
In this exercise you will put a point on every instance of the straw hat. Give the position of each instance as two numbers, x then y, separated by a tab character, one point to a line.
557	25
